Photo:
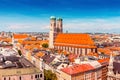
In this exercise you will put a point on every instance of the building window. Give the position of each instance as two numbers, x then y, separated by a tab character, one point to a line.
35	76
85	51
95	50
91	49
54	24
40	75
9	78
4	78
99	74
32	77
20	78
88	76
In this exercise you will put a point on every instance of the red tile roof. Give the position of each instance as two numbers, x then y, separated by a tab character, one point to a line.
104	62
35	42
6	39
20	36
77	69
93	54
71	39
72	56
39	54
105	50
114	48
31	47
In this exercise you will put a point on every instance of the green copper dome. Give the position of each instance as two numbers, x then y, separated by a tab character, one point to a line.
59	19
52	17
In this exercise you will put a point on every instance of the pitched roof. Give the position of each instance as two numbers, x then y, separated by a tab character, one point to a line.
105	51
116	66
74	39
93	54
48	58
31	47
20	36
6	39
35	42
104	62
114	48
77	69
39	54
71	57
95	64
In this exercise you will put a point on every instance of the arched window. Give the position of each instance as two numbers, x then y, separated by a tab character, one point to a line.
35	76
4	78
9	78
20	78
40	75
31	76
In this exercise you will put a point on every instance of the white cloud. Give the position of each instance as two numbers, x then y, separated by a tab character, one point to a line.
72	25
17	27
39	27
92	25
46	27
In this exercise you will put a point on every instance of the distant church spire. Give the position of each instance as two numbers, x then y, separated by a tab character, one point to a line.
110	67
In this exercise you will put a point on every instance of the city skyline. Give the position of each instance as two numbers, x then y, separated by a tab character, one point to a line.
78	15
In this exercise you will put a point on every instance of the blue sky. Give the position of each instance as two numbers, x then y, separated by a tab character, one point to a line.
78	15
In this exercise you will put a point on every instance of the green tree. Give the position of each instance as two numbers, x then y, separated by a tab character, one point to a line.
49	75
19	52
45	45
102	53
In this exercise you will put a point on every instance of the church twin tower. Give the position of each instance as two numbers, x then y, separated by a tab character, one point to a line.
56	27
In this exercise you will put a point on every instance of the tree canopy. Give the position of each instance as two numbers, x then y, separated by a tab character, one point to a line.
49	75
19	52
45	45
